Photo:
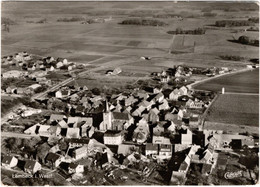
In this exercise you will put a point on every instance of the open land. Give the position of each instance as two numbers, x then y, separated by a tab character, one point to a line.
245	82
235	109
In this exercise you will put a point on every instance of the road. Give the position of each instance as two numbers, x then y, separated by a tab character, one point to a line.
17	135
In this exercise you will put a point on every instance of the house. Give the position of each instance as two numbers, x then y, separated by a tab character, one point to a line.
129	101
44	130
161	140
158	130
73	121
63	124
117	71
142	95
74	97
53	159
113	137
207	156
62	93
151	149
174	95
9	161
55	130
172	127
77	142
20	91
125	149
159	97
153	115
80	152
186	138
32	166
11	89
34	87
146	104
32	129
170	116
57	117
138	111
141	132
164	105
75	168
183	167
183	90
73	133
194	104
59	65
165	151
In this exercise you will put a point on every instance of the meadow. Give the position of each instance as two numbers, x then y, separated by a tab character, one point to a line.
90	42
235	109
246	82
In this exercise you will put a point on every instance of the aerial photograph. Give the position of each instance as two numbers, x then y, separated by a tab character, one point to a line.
124	93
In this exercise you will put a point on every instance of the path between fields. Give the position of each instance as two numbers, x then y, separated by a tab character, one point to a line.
239	93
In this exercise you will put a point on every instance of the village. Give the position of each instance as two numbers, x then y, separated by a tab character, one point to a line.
155	134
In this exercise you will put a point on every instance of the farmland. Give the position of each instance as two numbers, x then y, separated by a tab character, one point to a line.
246	82
235	109
90	42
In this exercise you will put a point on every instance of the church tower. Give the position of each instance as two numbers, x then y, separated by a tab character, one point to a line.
107	119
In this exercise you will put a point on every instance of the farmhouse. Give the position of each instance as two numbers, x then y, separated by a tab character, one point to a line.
75	168
53	160
32	166
151	149
9	161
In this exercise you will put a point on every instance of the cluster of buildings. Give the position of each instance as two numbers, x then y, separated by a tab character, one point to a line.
32	72
176	72
30	62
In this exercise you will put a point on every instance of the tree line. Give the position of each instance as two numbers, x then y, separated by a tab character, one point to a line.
143	22
233	23
198	31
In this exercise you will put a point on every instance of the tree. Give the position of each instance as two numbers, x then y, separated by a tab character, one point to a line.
244	39
42	151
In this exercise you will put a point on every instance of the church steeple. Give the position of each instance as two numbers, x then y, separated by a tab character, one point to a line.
107	109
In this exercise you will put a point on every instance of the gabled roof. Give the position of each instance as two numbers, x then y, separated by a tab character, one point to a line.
183	166
57	117
52	157
73	120
121	116
7	159
30	164
73	165
78	140
72	132
111	133
165	147
151	147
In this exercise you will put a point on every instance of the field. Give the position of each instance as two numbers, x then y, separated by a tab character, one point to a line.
246	82
89	43
235	109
